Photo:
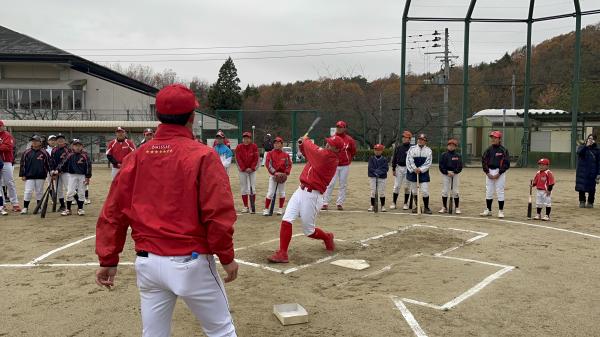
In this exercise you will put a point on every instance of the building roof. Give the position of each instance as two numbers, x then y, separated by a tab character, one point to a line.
517	112
17	47
38	125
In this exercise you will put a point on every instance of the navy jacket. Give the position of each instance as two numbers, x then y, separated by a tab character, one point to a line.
400	155
450	161
58	155
495	157
35	164
77	163
378	167
588	168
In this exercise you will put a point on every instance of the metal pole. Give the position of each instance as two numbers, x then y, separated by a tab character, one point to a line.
525	147
465	108
446	79
380	120
575	95
513	88
403	69
294	136
503	121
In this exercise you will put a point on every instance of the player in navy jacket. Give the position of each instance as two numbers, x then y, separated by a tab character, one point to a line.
378	169
450	166
77	171
34	168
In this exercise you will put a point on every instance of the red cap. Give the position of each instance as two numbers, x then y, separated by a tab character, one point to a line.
120	129
341	124
496	134
247	134
220	134
453	141
335	141
379	147
1	122
278	139
407	134
544	161
176	99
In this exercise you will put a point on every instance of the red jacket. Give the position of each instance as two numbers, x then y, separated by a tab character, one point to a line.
320	167
347	153
543	180
117	150
7	147
175	195
278	161
246	156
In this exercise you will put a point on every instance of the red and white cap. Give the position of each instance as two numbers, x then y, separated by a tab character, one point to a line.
221	134
335	141
379	147
120	129
278	139
148	132
496	134
544	161
247	134
176	99
341	124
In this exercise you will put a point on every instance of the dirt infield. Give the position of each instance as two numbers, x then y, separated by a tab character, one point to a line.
434	275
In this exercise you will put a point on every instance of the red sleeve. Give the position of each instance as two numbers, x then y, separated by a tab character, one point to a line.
288	166
7	144
215	202
238	159
550	180
535	179
131	144
268	163
255	157
352	148
309	150
112	224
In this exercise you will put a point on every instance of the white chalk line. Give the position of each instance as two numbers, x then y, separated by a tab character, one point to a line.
409	318
291	270
38	265
260	266
263	243
42	257
456	301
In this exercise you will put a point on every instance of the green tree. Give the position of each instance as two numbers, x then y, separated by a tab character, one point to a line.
225	94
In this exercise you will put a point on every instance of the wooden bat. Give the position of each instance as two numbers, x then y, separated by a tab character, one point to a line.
450	200
529	203
418	195
55	195
45	201
273	199
252	199
376	205
44	196
312	126
410	202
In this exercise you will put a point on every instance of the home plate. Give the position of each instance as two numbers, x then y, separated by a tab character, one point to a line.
352	264
290	313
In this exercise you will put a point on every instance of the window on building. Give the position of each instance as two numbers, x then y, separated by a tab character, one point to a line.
68	100
45	99
3	98
78	99
36	99
56	99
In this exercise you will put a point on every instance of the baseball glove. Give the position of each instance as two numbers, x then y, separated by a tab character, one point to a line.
280	177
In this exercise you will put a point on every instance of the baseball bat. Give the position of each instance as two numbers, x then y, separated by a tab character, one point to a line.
55	195
529	203
45	202
273	199
410	200
38	206
376	205
451	196
312	126
418	195
252	199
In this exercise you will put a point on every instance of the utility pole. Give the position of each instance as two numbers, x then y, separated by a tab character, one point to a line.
446	79
513	89
380	119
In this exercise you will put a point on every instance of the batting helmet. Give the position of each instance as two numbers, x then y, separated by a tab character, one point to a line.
341	124
335	141
379	147
496	134
544	161
247	134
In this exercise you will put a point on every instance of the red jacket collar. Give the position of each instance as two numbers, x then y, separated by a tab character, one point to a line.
167	131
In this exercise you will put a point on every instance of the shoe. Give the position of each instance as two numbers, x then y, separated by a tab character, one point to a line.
329	243
61	208
87	201
443	210
24	211
405	207
383	209
265	212
16	208
278	257
537	217
457	211
486	212
393	206
3	211
427	211
80	211
589	205
370	209
324	207
280	211
546	218
582	205
245	210
252	211
340	208
414	210
65	212
501	214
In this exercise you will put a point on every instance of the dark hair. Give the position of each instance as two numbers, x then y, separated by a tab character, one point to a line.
174	119
593	136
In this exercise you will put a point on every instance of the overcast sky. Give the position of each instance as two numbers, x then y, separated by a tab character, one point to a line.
287	30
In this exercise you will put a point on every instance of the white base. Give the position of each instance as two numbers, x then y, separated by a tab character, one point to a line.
352	264
290	313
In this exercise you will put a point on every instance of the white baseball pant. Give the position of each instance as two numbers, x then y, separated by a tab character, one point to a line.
400	179
542	199
495	185
9	182
61	186
246	181
75	185
424	189
304	205
162	279
114	172
380	183
446	182
33	185
341	174
271	190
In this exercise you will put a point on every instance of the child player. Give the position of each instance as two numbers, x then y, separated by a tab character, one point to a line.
279	165
77	171
450	166
35	166
543	183
378	169
495	162
246	157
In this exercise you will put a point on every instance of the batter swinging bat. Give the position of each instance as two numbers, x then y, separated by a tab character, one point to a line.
376	204
252	200
312	126
273	199
418	195
451	199
529	204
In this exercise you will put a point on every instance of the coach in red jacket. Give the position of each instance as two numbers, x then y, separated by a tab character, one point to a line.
117	149
345	156
246	157
7	155
175	195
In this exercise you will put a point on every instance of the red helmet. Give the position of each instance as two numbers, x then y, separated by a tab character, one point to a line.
278	139
379	147
407	134
496	134
544	161
247	134
341	124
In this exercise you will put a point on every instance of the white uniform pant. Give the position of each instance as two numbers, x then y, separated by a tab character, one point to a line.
114	172
495	185
446	182
380	183
33	185
542	199
247	180
400	179
75	185
341	174
304	205
280	188
61	186
162	279
9	181
424	187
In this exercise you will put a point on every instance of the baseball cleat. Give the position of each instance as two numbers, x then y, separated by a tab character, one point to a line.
405	207
87	201
3	211
546	218
589	205
393	206
280	211
486	212
501	214
340	208
457	211
80	211
537	217
278	257
24	211
16	208
383	209
265	212
66	212
329	243
443	210
61	209
324	207
582	205
370	209
414	210
427	211
245	210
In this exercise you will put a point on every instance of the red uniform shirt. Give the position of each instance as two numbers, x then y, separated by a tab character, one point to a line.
246	156
278	161
347	153
175	195
543	179
7	147
320	167
117	150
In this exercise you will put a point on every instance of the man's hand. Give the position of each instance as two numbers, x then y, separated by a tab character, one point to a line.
105	276
394	172
548	193
489	175
248	170
119	165
418	170
450	174
86	181
231	270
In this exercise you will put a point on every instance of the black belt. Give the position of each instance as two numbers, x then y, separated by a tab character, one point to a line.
142	253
